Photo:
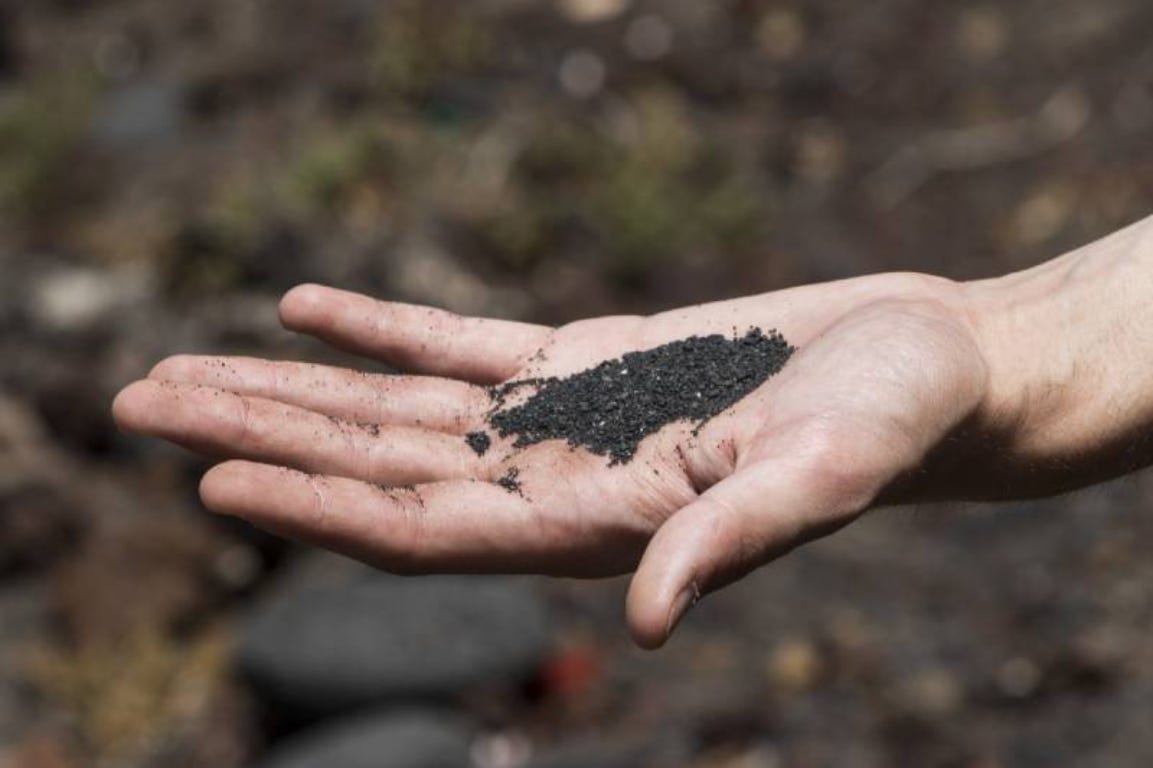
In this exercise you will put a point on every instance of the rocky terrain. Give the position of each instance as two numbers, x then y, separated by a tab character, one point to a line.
168	168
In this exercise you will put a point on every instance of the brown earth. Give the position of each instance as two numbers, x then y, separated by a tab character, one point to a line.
167	168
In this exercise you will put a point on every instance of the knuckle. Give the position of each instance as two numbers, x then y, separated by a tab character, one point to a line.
319	507
245	425
407	536
377	461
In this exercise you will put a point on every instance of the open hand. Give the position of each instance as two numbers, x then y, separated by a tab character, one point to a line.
889	371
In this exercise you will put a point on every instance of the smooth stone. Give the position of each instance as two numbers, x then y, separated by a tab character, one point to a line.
140	113
586	753
413	739
380	638
73	299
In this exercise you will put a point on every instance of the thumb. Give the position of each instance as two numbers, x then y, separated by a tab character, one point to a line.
741	523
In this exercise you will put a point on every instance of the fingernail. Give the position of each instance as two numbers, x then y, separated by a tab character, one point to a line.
688	597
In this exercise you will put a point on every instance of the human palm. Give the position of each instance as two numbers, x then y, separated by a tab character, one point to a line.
376	466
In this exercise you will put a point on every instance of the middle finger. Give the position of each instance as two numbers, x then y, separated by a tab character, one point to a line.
428	402
222	423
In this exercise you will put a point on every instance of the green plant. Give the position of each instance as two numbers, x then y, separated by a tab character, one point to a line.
42	124
654	188
421	42
326	171
128	698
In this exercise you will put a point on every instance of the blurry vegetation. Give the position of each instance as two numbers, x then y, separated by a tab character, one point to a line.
254	212
667	190
452	123
429	150
646	186
207	257
628	186
326	173
423	43
42	124
619	182
128	698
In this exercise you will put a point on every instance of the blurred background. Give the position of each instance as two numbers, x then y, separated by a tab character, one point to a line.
168	168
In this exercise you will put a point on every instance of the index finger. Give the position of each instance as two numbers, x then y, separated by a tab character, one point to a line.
413	338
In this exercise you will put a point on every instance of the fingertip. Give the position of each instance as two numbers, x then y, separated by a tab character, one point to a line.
303	303
648	615
130	407
647	638
678	564
121	404
224	484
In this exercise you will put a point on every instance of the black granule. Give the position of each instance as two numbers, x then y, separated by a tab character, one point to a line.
500	393
479	442
609	409
370	428
511	481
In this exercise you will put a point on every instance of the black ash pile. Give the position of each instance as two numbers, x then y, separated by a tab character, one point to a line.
611	408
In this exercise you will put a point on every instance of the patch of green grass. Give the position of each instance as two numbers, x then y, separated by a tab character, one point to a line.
124	701
42	124
654	188
421	43
324	172
668	189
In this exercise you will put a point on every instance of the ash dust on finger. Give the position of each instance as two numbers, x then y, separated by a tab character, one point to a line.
405	496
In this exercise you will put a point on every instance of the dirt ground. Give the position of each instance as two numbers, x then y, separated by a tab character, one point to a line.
168	168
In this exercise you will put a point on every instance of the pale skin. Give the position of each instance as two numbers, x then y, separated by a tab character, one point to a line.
906	387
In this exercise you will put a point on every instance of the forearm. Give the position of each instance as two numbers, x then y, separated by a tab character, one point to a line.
1069	345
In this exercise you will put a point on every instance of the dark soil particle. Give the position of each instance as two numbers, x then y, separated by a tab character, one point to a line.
479	442
611	408
369	428
511	481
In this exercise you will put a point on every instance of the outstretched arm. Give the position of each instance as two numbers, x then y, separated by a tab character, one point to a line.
905	387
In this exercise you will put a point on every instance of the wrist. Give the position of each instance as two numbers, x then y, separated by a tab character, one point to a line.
1069	361
1023	327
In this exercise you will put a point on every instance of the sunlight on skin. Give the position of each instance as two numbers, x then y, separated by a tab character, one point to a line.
886	369
905	388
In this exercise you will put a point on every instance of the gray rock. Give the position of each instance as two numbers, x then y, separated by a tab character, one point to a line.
380	638
587	753
414	739
140	113
72	299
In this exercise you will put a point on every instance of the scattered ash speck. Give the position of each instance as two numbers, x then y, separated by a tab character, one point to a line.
511	481
500	393
344	425
480	442
399	494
